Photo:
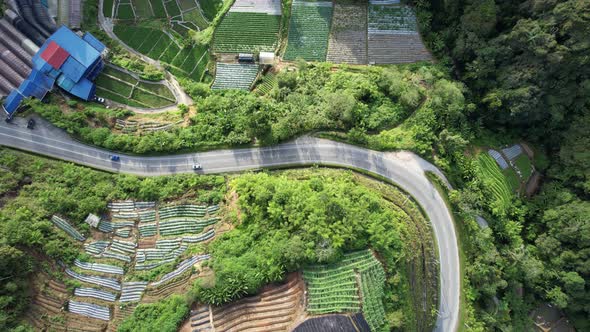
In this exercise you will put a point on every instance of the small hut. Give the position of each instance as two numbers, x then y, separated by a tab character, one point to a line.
267	58
92	220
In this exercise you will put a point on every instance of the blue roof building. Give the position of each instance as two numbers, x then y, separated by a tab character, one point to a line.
65	59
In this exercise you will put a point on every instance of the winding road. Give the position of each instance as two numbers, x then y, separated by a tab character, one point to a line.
403	168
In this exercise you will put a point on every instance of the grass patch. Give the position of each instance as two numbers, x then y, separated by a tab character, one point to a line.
125	12
107	8
150	99
158	8
108	83
197	18
523	163
210	8
158	89
512	178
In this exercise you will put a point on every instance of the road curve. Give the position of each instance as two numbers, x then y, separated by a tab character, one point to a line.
403	168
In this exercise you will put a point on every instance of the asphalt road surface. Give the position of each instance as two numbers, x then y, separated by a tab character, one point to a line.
403	168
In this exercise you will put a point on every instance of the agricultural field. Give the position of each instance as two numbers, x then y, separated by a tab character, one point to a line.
246	32
266	84
336	288
393	35
121	267
186	14
348	37
190	61
210	8
309	30
495	182
123	88
235	76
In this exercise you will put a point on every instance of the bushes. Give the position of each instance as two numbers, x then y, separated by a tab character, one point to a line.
288	223
165	314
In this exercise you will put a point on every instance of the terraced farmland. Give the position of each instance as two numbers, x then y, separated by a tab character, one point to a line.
348	38
273	309
246	32
189	61
123	88
393	35
309	30
495	182
235	76
182	14
269	81
336	288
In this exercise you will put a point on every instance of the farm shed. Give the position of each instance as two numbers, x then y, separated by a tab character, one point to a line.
66	59
92	220
267	58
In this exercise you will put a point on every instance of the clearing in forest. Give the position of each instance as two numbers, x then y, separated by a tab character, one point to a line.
309	30
124	88
348	38
393	35
336	288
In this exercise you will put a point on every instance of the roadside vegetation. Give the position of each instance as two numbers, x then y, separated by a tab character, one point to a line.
406	107
293	219
343	212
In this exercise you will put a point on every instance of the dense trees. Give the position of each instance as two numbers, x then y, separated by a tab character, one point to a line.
286	223
526	66
525	61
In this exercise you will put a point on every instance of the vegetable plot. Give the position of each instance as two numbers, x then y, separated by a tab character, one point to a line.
336	288
309	30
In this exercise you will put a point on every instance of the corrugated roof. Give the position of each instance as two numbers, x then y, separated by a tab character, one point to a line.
84	89
54	55
12	102
90	39
73	44
73	69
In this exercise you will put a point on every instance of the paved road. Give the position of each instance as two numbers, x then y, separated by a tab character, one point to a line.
404	168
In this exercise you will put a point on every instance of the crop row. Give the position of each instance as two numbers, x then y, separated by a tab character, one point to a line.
246	32
309	30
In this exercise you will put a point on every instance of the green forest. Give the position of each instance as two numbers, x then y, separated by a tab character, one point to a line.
526	68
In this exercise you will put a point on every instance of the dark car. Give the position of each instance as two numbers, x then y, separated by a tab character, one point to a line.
31	124
115	158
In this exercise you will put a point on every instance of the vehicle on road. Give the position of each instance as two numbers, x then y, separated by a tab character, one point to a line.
197	167
115	157
31	124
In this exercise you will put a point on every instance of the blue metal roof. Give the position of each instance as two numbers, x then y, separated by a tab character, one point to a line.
73	69
84	89
90	39
81	50
74	75
12	102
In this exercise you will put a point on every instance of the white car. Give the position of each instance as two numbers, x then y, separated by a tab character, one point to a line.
197	167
